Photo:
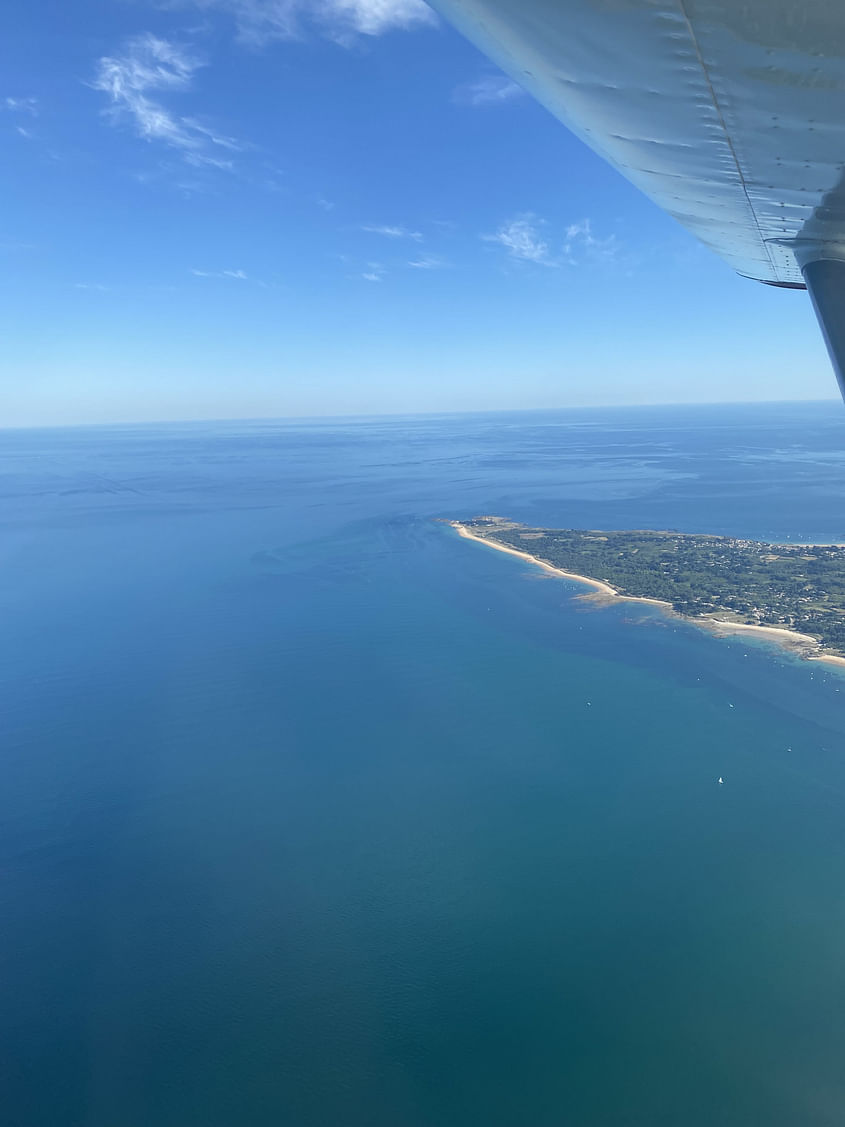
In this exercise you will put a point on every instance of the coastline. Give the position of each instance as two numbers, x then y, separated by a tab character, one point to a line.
802	644
603	588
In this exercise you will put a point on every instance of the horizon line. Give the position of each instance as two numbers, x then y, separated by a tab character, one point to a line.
364	416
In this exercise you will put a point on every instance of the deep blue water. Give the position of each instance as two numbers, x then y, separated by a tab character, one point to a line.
312	814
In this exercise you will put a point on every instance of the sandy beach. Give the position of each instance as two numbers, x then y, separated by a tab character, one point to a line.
802	644
604	588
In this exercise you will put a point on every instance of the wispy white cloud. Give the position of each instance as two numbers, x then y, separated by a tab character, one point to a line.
260	22
521	238
428	262
374	273
580	245
391	232
22	105
237	275
326	205
149	64
206	160
24	132
91	286
525	238
212	135
492	90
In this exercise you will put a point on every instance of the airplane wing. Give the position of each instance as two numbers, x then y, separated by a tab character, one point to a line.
730	114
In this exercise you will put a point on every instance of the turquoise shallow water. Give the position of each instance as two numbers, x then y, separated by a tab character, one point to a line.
312	813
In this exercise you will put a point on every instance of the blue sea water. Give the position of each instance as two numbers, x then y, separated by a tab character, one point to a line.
313	814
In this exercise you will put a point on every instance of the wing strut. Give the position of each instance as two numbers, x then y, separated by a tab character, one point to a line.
825	280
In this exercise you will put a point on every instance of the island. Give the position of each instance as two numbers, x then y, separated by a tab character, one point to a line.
793	592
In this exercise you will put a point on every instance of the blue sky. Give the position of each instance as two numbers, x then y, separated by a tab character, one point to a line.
240	208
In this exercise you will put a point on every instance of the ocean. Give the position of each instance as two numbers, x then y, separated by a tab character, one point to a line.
313	814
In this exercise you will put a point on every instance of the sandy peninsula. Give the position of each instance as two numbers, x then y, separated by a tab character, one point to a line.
804	645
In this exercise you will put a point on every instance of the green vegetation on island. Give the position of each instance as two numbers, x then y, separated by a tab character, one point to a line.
799	587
